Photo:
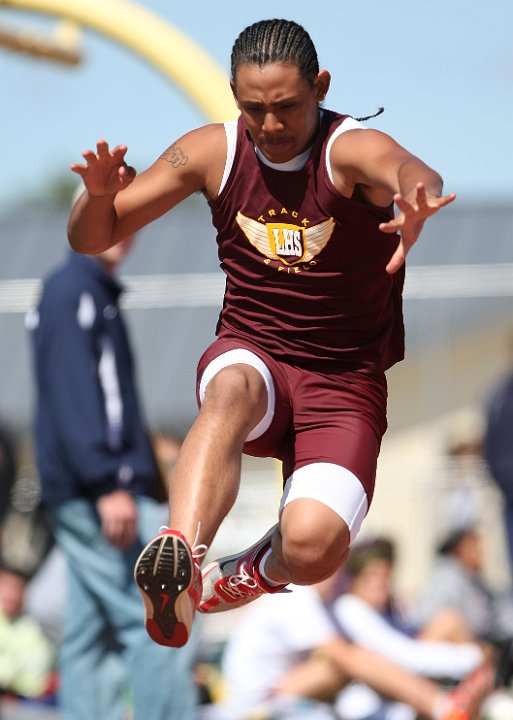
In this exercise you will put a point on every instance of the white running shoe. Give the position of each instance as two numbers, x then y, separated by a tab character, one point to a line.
234	580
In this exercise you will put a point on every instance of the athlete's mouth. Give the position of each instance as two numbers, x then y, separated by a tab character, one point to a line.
276	141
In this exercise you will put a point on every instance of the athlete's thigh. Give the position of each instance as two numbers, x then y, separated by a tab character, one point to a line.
339	420
267	438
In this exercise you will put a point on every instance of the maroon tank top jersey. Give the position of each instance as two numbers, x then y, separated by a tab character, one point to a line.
305	266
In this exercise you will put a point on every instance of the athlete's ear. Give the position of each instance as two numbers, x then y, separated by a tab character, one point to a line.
234	93
322	85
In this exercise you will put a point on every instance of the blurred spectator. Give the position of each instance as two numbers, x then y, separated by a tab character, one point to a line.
27	657
103	494
368	615
25	536
463	502
27	654
498	449
287	658
457	585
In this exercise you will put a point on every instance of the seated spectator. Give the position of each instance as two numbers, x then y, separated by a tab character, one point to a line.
27	657
287	651
457	586
25	537
367	615
25	541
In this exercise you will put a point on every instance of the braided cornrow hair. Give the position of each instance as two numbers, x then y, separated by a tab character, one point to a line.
269	41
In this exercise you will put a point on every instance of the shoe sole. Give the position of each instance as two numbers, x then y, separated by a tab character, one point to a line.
163	573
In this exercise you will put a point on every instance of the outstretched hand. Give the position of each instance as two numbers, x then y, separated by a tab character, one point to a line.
105	171
410	221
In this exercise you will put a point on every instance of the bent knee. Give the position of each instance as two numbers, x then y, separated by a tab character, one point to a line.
314	551
234	385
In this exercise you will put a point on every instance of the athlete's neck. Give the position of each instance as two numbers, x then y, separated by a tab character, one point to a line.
297	162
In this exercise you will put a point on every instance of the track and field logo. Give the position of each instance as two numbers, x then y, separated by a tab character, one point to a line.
290	244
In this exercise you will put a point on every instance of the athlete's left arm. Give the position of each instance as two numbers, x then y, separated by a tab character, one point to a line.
386	172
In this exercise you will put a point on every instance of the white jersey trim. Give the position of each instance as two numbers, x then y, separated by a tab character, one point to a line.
296	163
348	124
230	129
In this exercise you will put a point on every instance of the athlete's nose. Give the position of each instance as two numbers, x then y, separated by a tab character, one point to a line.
271	123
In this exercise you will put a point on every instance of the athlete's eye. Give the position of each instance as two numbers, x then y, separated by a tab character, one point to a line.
253	109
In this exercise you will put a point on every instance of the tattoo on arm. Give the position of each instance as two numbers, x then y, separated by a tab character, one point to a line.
175	156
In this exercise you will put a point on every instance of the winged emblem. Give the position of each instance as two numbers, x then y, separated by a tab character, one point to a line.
288	243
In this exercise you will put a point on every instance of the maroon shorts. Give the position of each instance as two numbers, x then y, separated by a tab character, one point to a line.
337	418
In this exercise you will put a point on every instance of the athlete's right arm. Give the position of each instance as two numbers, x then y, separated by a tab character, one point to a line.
117	202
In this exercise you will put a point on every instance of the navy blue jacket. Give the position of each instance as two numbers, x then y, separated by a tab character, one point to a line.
89	431
498	445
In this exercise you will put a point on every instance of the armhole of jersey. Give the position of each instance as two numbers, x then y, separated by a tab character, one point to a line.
348	124
230	129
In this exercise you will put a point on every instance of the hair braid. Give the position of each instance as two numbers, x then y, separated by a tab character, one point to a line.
269	41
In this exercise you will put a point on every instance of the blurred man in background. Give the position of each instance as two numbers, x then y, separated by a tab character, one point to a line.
103	494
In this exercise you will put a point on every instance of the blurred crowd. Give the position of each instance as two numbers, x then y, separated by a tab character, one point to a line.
29	625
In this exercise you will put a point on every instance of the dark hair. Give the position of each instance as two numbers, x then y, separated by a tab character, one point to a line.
366	552
453	539
270	41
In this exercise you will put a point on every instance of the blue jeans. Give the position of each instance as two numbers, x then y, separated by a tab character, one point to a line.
104	623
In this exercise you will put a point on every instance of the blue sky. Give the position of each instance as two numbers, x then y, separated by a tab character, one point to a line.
443	71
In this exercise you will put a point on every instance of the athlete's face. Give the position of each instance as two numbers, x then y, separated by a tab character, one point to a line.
280	107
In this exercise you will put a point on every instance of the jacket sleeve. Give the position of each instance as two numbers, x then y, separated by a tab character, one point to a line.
67	349
498	445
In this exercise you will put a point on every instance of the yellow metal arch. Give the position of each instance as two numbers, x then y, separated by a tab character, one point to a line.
164	46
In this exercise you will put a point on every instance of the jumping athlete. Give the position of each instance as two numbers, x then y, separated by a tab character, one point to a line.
302	199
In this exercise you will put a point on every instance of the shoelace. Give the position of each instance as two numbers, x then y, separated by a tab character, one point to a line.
242	578
198	552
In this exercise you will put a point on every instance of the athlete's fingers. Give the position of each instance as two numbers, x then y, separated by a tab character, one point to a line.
89	156
445	200
403	205
102	148
127	173
397	260
421	195
119	151
79	169
391	226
